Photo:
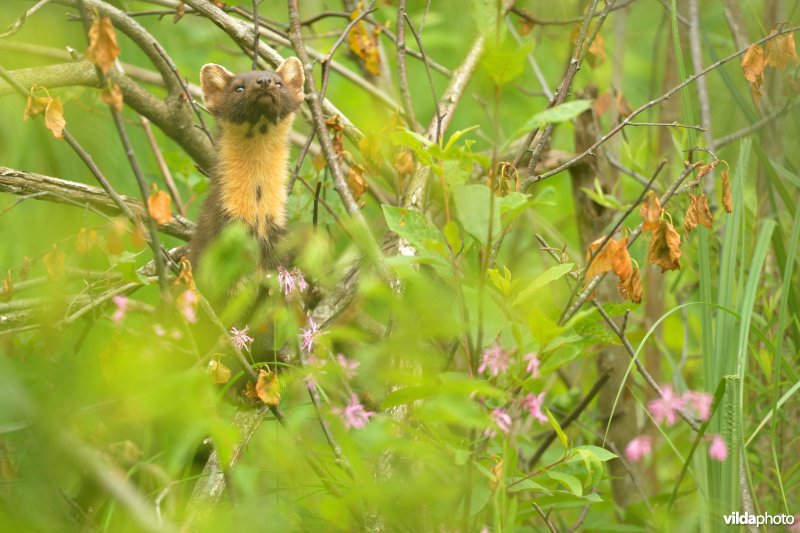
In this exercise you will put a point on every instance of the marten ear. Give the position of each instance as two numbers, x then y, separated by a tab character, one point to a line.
213	80
291	70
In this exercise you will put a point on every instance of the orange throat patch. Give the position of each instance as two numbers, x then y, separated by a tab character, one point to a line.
253	173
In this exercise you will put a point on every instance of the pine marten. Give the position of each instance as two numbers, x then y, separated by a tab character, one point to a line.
254	112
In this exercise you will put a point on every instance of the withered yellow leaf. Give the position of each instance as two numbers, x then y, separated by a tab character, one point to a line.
54	118
8	288
665	247
35	106
54	263
103	49
85	240
698	213
268	388
364	44
220	374
621	262
158	205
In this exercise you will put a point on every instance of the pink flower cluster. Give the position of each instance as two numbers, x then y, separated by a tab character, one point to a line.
291	281
241	339
353	414
309	336
496	361
667	408
641	446
669	405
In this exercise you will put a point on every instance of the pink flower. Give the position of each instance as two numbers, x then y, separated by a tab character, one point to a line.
796	524
300	280
187	303
638	448
122	307
534	403
286	281
666	407
495	359
701	401
354	415
309	336
502	420
533	364
291	281
349	366
718	449
241	339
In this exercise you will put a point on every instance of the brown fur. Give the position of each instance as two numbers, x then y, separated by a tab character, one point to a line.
254	111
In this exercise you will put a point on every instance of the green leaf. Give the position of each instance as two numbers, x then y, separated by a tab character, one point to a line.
571	482
543	279
407	395
412	226
453	236
555	115
502	282
600	453
472	210
514	485
560	432
456	136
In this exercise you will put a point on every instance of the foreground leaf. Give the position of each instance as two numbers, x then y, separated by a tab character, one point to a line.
103	49
158	205
650	211
698	213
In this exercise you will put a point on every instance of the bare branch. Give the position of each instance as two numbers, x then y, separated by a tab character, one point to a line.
21	183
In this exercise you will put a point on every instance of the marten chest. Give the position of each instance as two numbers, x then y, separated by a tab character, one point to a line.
253	173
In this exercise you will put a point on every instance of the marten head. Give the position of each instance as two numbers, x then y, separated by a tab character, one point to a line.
250	96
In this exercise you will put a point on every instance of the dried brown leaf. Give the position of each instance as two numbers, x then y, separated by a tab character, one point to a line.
597	51
180	11
112	95
755	91
727	201
753	64
103	49
631	288
665	247
620	258
355	180
698	213
602	261
138	236
623	107
780	49
404	163
116	231
603	103
54	118
158	205
650	211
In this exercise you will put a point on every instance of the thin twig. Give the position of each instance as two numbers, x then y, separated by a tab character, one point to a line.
255	33
531	179
402	73
521	13
755	126
326	61
17	25
438	119
185	87
668	125
546	518
162	165
340	183
590	287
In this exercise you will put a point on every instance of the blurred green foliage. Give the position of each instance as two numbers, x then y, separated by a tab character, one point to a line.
137	393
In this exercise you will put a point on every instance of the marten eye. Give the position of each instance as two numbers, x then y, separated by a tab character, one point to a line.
279	85
240	89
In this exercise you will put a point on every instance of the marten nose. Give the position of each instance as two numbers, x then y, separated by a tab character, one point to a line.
263	81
